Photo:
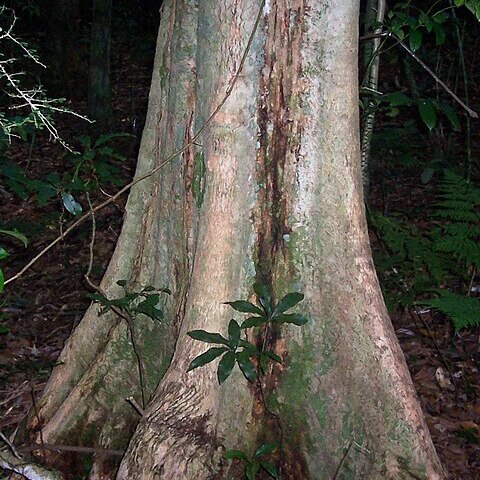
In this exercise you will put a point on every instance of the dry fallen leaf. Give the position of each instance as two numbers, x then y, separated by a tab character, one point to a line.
444	380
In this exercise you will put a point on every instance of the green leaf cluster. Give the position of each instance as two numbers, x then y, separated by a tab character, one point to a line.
97	164
146	301
429	109
405	26
233	350
17	180
472	5
236	350
255	464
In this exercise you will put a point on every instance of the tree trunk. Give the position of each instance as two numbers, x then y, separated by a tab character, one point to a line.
270	192
99	88
64	20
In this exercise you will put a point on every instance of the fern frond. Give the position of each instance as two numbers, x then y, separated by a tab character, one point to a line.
462	230
392	231
415	259
457	211
436	266
463	311
459	203
458	199
461	240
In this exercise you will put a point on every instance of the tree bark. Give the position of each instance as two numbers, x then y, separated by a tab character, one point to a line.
99	88
63	21
271	192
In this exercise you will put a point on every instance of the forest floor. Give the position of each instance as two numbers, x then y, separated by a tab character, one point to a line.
47	302
444	365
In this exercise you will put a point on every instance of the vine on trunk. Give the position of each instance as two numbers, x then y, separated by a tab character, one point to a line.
252	359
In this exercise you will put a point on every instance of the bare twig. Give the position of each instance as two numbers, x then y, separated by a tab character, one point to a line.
342	461
154	170
472	279
37	416
468	136
273	414
9	444
120	312
136	351
417	316
92	239
136	406
471	112
372	36
278	421
115	309
129	321
34	98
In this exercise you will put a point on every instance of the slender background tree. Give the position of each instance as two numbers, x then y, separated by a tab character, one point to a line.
99	85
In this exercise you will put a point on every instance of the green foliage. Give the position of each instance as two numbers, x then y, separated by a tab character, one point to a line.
471	435
234	349
405	265
412	27
462	310
255	464
417	260
96	165
394	144
15	234
403	25
4	254
146	301
458	209
17	181
430	110
472	5
253	361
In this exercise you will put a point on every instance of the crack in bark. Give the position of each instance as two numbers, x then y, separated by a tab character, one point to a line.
280	127
278	135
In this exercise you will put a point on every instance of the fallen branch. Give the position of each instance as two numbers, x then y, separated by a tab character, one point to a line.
29	470
72	448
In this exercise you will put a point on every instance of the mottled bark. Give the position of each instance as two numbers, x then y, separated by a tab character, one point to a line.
277	198
84	400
